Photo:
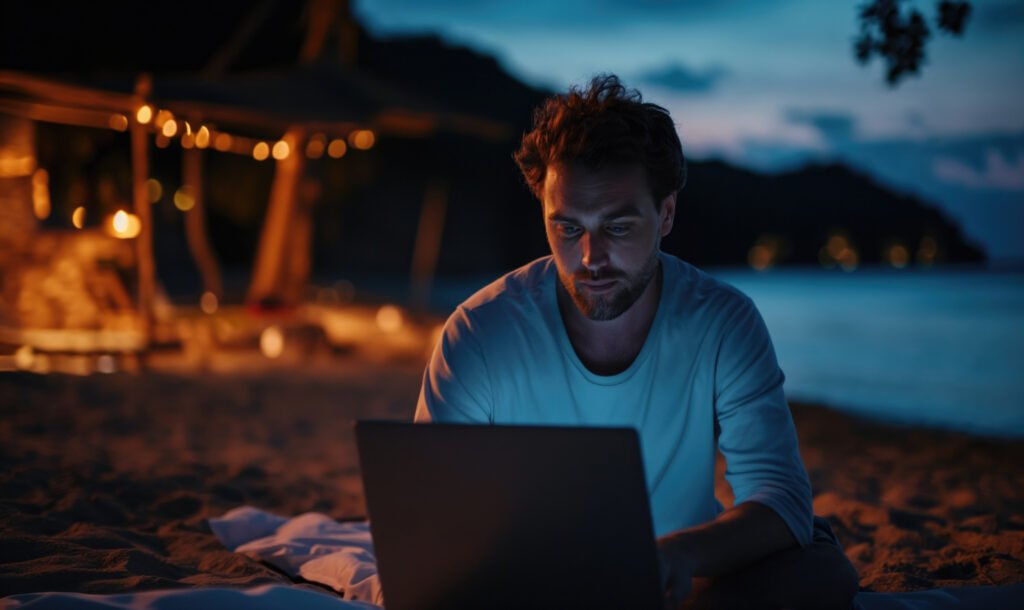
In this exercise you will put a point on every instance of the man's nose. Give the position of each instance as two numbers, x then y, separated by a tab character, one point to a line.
595	254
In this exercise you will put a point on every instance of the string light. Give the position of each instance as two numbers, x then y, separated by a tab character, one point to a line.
202	137
124	225
261	151
281	150
336	149
144	114
119	122
362	139
78	217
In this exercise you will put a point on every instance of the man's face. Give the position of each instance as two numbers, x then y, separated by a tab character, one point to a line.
605	231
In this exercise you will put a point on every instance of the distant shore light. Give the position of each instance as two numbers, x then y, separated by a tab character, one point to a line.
281	150
898	256
261	151
927	251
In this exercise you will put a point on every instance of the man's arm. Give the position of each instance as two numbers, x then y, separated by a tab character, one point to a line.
757	437
738	537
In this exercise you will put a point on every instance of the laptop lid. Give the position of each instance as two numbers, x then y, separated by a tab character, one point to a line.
469	516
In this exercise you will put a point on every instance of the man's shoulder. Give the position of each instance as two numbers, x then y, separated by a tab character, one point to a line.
520	290
693	288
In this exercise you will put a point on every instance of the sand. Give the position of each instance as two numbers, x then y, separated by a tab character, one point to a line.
106	481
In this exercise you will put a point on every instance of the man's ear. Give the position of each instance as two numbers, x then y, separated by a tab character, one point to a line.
668	213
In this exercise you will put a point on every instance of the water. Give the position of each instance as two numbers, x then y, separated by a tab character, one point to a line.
941	348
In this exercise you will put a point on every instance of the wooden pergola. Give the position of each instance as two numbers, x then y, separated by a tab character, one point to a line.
294	115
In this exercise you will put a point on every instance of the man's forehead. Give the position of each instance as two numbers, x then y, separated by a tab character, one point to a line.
578	186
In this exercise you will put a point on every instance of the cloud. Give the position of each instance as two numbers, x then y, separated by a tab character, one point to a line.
680	78
997	172
834	127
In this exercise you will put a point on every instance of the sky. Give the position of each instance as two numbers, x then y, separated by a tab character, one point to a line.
773	84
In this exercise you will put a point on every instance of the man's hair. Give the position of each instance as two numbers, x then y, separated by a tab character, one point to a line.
604	125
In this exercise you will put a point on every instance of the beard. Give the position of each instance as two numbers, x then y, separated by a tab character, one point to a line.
603	307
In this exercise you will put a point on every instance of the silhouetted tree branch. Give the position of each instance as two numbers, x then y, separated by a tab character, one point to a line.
898	35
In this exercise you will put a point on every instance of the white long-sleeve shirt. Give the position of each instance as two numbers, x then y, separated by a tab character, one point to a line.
707	373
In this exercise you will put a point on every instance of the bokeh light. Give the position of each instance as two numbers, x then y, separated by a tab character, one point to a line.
272	342
184	200
337	149
78	217
209	303
118	122
362	139
281	150
261	151
389	319
154	190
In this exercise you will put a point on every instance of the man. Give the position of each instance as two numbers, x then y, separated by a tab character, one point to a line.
609	330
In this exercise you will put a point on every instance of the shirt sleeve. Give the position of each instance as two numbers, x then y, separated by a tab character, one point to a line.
456	383
755	428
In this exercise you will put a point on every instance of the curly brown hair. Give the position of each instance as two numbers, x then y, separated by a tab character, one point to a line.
605	124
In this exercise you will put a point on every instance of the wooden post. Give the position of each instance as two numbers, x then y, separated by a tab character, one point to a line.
195	224
140	201
428	242
276	239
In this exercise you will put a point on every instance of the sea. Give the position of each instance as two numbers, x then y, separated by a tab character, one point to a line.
938	347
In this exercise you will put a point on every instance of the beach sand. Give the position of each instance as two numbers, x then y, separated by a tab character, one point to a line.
106	481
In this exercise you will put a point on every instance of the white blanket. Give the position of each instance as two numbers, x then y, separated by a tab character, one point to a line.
312	547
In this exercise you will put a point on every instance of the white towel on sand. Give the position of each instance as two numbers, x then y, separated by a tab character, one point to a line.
312	547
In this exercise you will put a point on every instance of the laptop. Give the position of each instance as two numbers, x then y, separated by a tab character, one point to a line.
473	516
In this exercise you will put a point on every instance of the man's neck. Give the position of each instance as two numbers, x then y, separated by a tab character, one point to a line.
608	347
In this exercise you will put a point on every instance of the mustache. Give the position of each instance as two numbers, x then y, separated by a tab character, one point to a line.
597	276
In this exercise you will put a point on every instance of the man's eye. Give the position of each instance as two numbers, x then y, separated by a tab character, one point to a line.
617	230
568	230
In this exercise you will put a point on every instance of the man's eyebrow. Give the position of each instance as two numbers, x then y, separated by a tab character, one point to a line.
624	211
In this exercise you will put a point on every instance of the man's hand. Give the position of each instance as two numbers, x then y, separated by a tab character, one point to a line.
676	575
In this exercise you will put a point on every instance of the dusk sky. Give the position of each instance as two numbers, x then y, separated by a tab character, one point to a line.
773	84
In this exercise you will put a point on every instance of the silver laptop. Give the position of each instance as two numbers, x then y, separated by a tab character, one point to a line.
469	516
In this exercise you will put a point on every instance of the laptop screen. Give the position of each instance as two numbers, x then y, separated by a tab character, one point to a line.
470	516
